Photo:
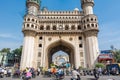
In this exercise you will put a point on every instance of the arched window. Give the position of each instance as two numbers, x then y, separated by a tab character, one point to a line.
84	27
91	19
48	27
40	38
80	45
40	45
73	27
35	27
95	19
96	25
41	27
80	38
79	27
66	27
92	25
87	20
32	26
28	19
54	27
33	20
28	25
84	21
88	25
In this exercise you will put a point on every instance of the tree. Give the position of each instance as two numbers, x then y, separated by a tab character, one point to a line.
117	56
17	51
17	54
98	65
5	50
112	47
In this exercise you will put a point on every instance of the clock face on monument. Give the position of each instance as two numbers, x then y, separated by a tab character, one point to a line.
60	27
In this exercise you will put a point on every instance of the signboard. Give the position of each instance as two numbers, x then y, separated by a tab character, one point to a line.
105	56
106	52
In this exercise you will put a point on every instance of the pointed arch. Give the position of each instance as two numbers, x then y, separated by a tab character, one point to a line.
57	46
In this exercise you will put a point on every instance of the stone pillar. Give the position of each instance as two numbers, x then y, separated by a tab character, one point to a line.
92	50
28	50
77	59
77	55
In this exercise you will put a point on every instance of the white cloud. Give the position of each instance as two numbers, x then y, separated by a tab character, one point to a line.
11	36
7	36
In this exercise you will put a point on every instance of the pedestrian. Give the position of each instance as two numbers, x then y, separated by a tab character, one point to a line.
60	73
75	75
9	72
28	75
38	71
5	72
100	71
95	73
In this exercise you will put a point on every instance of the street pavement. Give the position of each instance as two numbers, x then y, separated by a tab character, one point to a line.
68	78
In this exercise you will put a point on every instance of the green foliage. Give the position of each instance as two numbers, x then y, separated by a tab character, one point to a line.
117	56
98	65
17	52
5	50
14	55
80	67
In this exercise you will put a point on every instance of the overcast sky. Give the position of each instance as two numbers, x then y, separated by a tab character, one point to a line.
12	12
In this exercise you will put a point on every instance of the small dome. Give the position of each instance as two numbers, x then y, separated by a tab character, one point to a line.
76	9
45	9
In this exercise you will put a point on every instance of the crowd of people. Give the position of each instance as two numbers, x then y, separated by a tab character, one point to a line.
26	74
54	72
5	72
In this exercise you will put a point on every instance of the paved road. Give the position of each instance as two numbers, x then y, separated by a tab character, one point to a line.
68	78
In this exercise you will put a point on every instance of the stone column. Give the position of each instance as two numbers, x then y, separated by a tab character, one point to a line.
28	50
92	50
83	41
77	54
77	59
36	51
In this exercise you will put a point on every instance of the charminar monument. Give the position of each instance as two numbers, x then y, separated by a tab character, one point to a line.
47	32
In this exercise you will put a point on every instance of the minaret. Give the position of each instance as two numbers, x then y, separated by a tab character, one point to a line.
33	6
87	6
30	26
90	28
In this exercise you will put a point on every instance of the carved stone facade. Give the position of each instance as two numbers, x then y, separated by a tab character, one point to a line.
46	32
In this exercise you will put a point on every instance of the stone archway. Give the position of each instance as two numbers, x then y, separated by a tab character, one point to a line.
63	46
59	57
